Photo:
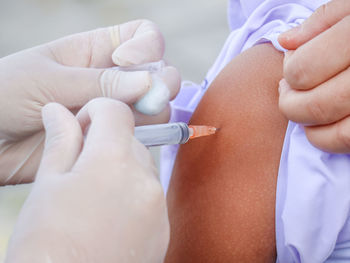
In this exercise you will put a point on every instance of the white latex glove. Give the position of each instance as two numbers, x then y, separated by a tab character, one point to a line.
72	71
98	201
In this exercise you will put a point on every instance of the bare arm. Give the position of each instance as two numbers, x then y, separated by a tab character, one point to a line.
222	194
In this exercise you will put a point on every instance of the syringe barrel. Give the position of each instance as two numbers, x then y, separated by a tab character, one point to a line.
163	134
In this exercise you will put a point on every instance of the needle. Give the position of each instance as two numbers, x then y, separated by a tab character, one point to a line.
199	131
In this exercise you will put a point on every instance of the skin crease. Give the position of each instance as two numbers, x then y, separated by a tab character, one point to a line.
221	198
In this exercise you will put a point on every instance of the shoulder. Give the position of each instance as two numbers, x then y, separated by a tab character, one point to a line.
222	194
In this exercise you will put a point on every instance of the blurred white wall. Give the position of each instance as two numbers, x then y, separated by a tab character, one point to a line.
194	31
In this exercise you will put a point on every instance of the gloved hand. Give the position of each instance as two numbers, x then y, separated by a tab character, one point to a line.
315	90
72	71
98	201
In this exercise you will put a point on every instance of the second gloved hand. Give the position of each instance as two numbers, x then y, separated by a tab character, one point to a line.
72	71
93	201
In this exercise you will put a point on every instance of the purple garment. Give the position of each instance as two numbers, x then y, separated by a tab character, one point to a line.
313	187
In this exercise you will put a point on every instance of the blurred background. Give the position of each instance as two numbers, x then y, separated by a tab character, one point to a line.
194	30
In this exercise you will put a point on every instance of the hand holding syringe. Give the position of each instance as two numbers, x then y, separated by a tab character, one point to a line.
72	71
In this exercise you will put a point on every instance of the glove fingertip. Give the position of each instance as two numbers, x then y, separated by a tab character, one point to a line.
116	58
50	113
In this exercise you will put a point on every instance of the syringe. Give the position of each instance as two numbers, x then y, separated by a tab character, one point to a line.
170	133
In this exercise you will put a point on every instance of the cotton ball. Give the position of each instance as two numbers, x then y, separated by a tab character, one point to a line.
156	99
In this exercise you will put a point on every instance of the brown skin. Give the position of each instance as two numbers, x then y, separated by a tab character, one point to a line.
222	194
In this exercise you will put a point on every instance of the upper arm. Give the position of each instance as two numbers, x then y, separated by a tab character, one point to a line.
222	193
